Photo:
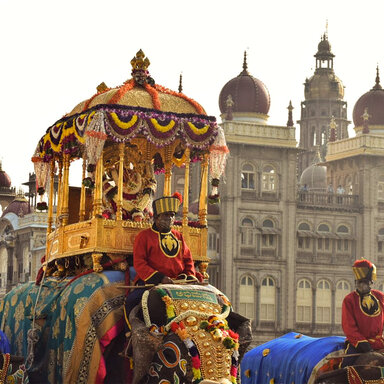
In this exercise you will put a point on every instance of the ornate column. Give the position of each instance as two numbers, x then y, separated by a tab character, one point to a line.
98	196
65	194
82	193
186	189
60	189
168	171
119	212
50	199
203	191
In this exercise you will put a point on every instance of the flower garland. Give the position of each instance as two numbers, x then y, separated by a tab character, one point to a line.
122	91
154	95
179	329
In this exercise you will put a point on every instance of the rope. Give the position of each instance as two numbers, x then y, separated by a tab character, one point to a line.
33	333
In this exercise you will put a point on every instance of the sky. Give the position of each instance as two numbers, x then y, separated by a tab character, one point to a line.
53	54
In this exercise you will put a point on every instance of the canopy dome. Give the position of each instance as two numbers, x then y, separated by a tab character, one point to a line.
141	91
245	95
371	102
139	107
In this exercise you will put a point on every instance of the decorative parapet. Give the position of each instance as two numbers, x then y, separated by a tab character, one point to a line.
271	135
363	144
36	219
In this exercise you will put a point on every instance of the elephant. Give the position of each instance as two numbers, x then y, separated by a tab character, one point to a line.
173	357
367	369
72	330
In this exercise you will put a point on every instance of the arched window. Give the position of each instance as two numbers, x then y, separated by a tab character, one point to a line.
268	237
304	227
269	179
323	302
247	232
248	177
342	290
304	236
343	241
267	300
323	242
304	301
247	297
380	240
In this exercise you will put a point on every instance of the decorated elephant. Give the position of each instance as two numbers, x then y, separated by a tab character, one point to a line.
72	330
369	368
190	334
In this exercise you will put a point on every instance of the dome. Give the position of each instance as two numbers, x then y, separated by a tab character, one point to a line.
324	49
141	91
5	180
248	95
19	206
315	177
324	85
374	102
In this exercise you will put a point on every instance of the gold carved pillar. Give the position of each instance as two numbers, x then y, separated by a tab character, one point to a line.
60	189
119	212
50	199
168	170
82	193
65	194
203	191
98	196
186	189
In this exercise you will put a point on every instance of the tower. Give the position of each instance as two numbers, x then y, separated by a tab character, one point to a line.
324	94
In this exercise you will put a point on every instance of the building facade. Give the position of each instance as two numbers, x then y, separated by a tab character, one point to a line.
285	251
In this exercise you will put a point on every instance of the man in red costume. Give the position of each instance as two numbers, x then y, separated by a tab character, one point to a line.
362	314
160	254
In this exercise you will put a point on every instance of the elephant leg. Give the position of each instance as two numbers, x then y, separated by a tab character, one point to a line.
339	376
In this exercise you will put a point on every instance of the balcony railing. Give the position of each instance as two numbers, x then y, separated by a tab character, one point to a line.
328	201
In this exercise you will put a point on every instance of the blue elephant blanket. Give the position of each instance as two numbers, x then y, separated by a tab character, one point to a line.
288	359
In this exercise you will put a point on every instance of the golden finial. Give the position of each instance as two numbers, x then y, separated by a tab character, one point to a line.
140	62
181	82
140	65
245	65
366	115
101	87
333	124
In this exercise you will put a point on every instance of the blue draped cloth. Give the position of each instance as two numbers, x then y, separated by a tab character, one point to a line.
291	359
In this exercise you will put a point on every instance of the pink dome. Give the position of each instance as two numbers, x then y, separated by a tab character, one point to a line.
374	102
249	94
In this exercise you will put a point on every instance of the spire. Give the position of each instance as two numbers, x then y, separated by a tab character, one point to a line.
181	82
245	65
377	80
326	29
290	120
366	117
